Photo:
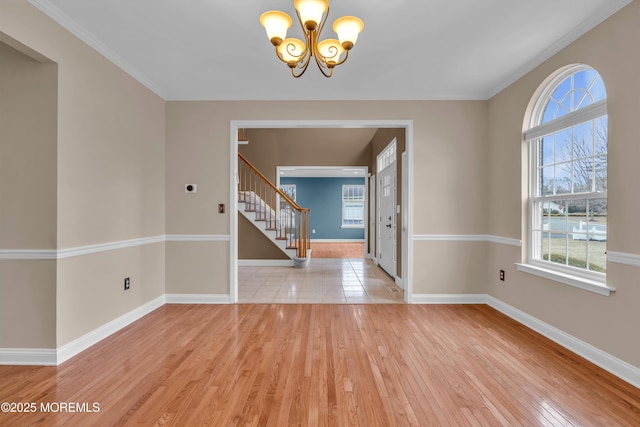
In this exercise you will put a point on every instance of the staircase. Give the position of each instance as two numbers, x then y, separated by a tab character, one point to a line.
273	212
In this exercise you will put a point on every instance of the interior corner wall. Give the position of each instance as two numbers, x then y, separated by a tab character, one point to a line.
104	184
28	169
607	323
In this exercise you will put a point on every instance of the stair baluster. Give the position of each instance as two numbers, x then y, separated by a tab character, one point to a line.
289	220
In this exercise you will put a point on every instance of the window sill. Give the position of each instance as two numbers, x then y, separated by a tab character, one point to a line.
567	279
352	226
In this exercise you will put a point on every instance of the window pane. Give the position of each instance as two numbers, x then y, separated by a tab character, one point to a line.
582	175
546	181
577	254
600	165
582	82
600	135
546	248
557	248
583	140
546	150
563	178
563	150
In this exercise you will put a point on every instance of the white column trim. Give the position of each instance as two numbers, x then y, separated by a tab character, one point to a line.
103	247
53	254
623	258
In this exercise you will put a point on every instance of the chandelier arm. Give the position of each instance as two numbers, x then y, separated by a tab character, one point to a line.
346	55
302	66
306	34
321	61
321	25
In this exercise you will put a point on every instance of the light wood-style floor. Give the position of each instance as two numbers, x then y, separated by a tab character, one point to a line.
324	365
337	250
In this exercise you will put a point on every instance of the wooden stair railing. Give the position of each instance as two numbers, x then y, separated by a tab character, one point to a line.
289	220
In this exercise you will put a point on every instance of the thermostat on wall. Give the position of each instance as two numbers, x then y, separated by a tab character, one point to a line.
191	188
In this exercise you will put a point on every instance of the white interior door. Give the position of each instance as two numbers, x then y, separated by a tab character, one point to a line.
371	249
387	219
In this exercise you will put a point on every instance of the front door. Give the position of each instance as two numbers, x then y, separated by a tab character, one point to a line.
387	219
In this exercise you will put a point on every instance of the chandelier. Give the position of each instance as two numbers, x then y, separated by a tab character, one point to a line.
312	15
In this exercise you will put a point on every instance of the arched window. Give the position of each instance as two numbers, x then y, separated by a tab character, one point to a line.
568	142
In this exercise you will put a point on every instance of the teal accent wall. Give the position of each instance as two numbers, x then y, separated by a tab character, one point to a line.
324	197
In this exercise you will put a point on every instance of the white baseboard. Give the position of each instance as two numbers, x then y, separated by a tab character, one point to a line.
28	356
617	367
265	263
198	299
448	299
78	345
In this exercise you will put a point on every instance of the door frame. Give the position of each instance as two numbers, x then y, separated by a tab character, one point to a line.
332	172
235	125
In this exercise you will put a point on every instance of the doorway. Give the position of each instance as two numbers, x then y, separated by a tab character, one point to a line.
405	125
337	198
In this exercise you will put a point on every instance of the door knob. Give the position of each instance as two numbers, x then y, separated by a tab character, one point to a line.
388	225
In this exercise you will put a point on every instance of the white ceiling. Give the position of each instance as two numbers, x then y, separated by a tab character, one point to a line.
409	50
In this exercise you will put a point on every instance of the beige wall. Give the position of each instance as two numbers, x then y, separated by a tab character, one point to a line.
28	127
253	244
609	323
97	177
448	141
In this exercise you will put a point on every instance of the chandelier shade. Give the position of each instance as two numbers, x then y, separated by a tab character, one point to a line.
330	50
311	12
312	16
347	28
276	23
290	51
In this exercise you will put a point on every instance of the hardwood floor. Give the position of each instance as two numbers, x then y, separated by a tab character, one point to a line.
326	365
341	250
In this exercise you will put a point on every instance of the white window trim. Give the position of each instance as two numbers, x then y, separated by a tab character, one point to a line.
364	207
585	114
579	278
573	279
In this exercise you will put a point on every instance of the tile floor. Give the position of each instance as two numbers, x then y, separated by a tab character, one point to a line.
327	280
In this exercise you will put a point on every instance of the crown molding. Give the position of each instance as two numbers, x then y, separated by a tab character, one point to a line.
49	9
578	31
